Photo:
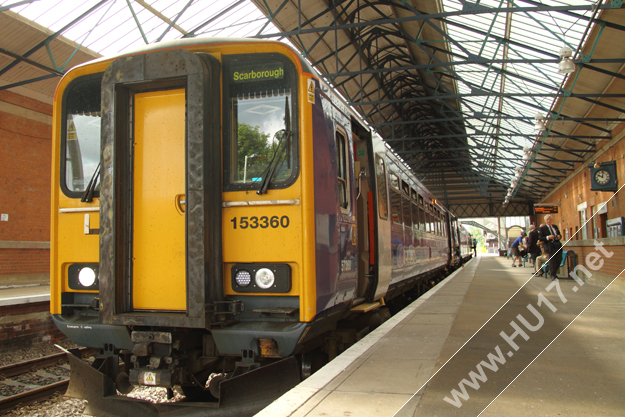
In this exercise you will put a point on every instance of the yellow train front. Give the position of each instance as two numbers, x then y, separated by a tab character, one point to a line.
215	210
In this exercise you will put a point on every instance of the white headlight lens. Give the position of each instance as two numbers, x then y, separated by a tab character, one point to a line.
86	277
243	278
265	278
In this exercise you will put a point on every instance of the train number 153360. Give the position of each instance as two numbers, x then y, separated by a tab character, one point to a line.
263	222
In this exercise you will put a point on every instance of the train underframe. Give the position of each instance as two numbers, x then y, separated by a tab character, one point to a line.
227	385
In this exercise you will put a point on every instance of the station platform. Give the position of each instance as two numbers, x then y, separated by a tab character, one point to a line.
411	365
24	295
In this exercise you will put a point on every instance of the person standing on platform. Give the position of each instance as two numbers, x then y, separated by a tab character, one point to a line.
541	260
474	246
550	234
516	247
532	245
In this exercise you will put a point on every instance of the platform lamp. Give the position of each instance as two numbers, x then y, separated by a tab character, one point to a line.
527	154
567	65
540	124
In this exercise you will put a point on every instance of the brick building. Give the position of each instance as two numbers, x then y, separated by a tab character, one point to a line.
577	204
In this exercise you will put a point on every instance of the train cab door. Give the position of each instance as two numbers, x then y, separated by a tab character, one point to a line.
160	245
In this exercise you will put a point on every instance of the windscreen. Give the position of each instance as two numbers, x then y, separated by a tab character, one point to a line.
261	139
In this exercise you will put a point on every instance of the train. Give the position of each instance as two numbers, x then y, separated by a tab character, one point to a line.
223	222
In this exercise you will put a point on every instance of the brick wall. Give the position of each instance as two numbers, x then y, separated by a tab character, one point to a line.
24	261
25	158
577	191
28	324
611	267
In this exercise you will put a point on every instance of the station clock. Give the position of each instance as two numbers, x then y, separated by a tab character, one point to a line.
603	177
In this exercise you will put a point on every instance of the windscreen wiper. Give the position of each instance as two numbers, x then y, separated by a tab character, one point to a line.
87	196
273	164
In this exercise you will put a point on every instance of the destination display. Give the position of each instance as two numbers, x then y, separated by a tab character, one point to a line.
261	72
545	209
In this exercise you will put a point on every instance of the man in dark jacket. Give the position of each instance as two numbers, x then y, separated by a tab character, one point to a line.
550	234
532	245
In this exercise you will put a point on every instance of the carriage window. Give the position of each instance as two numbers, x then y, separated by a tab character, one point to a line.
422	219
439	220
261	142
81	135
406	207
429	218
341	168
394	181
380	177
405	188
415	215
396	214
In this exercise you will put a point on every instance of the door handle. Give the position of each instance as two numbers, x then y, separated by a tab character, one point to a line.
180	203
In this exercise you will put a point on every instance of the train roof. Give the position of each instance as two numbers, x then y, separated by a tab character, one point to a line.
187	42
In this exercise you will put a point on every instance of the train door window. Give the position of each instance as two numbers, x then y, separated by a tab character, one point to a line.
406	204
341	168
260	122
380	178
396	214
81	135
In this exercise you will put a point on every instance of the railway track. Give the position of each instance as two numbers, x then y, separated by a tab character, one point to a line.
34	380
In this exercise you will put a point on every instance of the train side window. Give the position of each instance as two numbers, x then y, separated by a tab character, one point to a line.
405	188
380	176
415	211
430	220
437	218
81	135
440	222
341	168
406	205
396	213
422	218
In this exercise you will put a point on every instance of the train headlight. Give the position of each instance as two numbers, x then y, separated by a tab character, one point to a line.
265	278
261	278
243	278
83	276
86	277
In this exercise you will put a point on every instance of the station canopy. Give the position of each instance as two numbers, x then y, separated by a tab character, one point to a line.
491	103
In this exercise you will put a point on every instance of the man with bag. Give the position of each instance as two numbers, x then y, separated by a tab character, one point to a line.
550	234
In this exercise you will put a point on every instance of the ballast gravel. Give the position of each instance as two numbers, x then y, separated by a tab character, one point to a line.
61	406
